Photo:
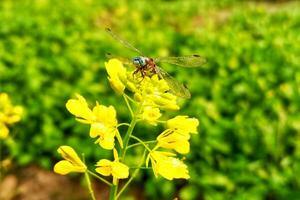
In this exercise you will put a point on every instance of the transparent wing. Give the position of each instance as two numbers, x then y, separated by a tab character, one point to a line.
125	61
176	88
183	61
122	41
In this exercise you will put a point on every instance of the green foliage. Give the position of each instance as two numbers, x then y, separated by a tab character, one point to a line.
246	97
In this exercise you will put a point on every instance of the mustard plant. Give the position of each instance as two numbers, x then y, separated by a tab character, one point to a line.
146	98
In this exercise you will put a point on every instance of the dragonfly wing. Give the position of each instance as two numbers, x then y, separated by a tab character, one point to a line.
122	41
183	61
125	61
176	88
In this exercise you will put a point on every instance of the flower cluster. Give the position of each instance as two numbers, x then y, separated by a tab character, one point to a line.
102	119
146	98
9	114
103	126
152	94
175	137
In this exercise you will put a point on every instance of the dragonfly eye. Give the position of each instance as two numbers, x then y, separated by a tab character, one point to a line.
139	61
136	61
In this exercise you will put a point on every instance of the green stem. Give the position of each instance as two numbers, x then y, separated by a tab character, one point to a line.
127	136
123	124
129	98
138	143
133	175
128	105
88	181
99	177
114	188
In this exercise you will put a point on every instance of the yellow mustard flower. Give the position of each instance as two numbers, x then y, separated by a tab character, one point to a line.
152	91
151	115
178	134
80	108
9	114
117	75
102	119
171	139
72	162
164	164
114	168
183	124
3	131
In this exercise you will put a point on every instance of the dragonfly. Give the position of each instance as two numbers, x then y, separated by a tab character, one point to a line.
145	64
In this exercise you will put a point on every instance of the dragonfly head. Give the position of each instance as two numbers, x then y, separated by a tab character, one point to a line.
140	61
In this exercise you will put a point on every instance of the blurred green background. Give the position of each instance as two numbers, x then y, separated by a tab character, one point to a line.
247	97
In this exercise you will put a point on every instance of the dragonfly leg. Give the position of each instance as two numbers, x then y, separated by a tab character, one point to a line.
143	73
136	71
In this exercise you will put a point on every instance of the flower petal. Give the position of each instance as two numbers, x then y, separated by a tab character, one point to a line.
107	141
3	131
70	155
116	85
98	129
117	75
79	108
171	139
151	114
105	115
120	170
184	123
168	166
171	168
64	167
104	167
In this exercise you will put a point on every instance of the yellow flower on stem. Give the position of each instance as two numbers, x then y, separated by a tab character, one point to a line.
164	164
151	115
105	126
115	168
178	134
80	108
102	119
171	139
117	75
183	124
72	162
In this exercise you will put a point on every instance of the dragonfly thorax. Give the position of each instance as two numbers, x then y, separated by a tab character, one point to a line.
140	61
